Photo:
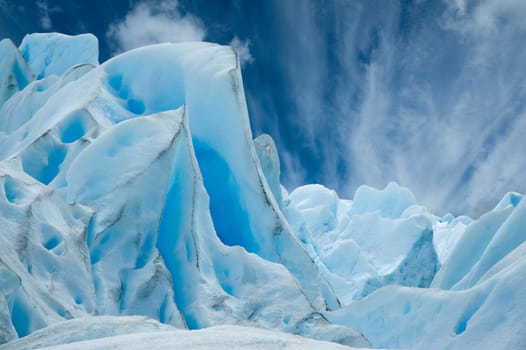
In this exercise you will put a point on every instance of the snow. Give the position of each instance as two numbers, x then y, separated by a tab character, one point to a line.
140	333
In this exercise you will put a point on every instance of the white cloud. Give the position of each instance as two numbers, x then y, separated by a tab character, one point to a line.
45	12
243	50
295	172
437	106
489	13
45	20
155	22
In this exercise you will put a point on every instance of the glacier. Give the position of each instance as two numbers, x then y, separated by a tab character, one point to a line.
137	209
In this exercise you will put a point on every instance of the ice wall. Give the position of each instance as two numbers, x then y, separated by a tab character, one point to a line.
149	166
134	187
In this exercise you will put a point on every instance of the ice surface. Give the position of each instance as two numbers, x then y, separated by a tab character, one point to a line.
470	248
446	235
134	159
511	198
489	315
480	302
390	202
15	74
361	245
21	107
510	235
140	333
44	264
269	159
135	187
86	328
368	254
53	53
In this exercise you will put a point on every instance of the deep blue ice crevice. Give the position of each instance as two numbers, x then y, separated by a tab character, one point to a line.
229	214
42	160
74	126
15	191
21	316
219	123
216	283
9	287
176	238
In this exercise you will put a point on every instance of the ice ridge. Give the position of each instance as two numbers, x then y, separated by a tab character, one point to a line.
135	187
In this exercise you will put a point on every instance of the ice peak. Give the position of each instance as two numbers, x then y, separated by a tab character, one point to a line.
54	53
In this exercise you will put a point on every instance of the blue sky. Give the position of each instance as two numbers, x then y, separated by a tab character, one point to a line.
431	94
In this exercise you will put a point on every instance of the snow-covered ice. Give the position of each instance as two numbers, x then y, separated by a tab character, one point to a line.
132	332
135	187
476	300
144	176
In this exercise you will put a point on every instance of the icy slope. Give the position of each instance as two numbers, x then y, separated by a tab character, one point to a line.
480	303
147	173
374	248
134	187
44	260
139	333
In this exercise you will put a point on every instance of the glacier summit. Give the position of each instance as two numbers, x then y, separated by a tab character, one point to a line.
135	204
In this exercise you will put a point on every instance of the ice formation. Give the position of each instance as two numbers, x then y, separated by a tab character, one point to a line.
139	333
134	187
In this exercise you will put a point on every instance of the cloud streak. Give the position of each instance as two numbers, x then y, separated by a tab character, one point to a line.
45	11
429	94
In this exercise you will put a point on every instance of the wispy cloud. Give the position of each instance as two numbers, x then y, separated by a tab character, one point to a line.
155	22
430	94
45	11
491	14
243	50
